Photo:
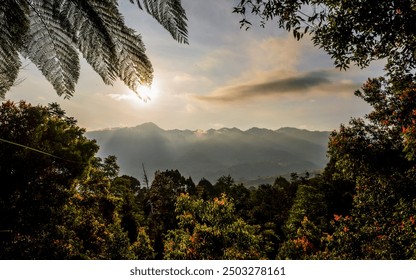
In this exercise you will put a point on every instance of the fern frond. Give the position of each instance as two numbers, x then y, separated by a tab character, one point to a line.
9	67
90	34
170	14
112	49
134	67
51	32
50	48
13	23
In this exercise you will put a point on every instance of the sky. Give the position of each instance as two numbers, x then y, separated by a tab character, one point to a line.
225	77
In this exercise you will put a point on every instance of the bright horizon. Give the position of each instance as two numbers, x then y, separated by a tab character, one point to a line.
199	130
225	77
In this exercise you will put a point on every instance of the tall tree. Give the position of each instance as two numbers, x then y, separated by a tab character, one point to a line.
104	219
306	221
50	33
160	202
42	156
378	155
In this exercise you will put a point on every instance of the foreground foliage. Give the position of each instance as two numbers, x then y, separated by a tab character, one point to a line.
51	33
211	230
59	201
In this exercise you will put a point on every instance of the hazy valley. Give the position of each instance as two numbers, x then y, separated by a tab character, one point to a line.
253	156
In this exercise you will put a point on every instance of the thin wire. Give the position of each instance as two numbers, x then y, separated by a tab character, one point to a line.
35	150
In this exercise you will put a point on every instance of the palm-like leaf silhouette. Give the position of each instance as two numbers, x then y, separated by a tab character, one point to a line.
52	33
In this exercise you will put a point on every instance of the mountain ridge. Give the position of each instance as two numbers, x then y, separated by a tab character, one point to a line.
153	125
245	155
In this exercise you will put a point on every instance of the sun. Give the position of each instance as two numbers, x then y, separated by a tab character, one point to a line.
148	93
143	97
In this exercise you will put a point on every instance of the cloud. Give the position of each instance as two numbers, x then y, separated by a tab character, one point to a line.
295	84
117	97
272	53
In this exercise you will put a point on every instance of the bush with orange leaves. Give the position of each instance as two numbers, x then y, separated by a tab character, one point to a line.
211	230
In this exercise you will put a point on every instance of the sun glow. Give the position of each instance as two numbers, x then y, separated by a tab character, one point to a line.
145	95
148	93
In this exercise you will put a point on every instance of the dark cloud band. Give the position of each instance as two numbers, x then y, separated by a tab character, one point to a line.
275	87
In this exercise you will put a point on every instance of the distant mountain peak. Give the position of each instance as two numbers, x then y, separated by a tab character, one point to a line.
227	129
255	129
149	126
289	129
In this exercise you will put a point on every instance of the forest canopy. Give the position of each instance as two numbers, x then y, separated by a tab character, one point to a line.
59	200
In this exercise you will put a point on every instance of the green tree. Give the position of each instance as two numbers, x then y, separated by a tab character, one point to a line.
304	244
160	202
42	156
211	230
104	217
132	215
57	200
306	223
377	154
241	197
50	33
309	202
350	31
384	142
381	224
205	189
269	208
209	191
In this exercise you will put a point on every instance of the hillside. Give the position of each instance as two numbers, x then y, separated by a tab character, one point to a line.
245	155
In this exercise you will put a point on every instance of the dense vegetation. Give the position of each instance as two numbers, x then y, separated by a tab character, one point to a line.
59	201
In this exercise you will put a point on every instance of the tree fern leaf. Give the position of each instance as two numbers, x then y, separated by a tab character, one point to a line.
170	14
89	32
13	23
133	65
50	48
124	54
51	32
9	67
